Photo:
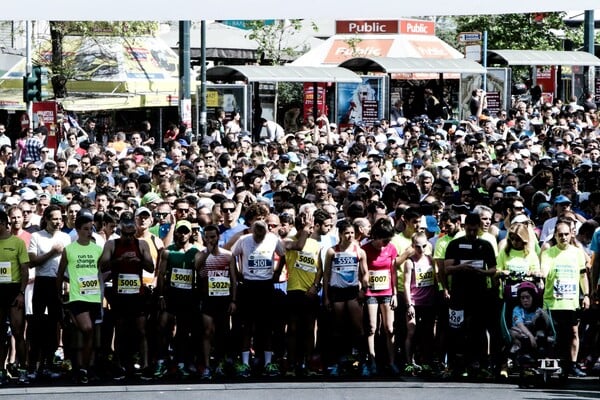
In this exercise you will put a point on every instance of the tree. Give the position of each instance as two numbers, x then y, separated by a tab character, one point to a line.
275	40
519	31
61	71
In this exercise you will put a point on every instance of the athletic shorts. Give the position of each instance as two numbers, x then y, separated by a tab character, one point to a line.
379	299
8	293
341	295
79	307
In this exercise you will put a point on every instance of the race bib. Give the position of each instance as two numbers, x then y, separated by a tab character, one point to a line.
5	272
306	262
89	285
347	274
218	286
565	289
260	265
128	284
424	275
456	318
379	279
181	278
474	263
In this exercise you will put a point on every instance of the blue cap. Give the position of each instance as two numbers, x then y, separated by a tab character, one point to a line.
562	199
432	224
48	181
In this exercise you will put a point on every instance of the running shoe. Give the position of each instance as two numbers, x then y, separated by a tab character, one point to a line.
206	374
290	373
182	372
242	370
411	369
160	370
220	370
271	369
23	379
118	373
334	370
366	371
82	377
147	374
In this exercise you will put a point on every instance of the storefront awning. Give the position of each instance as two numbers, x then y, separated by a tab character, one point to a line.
392	65
103	101
542	57
276	73
342	47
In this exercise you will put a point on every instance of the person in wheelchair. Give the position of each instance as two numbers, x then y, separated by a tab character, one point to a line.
531	328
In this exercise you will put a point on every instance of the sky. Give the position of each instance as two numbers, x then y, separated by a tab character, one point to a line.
128	10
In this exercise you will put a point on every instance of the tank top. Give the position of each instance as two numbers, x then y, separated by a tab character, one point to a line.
82	266
127	277
344	267
214	280
180	274
422	288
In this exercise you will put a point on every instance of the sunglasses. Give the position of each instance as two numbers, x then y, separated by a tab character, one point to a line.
227	210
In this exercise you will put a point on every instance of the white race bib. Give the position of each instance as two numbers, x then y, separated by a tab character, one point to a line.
456	318
5	272
181	278
379	279
89	285
128	284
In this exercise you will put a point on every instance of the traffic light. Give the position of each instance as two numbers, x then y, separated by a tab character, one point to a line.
33	84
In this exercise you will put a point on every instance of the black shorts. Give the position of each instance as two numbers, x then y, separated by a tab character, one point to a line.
299	304
255	299
341	295
128	306
564	318
8	293
215	306
79	307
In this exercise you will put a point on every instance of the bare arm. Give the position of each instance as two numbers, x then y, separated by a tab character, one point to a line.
104	261
60	275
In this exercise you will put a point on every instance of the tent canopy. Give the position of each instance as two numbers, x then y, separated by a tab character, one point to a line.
392	65
542	57
342	47
276	73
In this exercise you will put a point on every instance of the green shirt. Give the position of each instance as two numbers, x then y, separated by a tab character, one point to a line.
13	254
82	267
564	274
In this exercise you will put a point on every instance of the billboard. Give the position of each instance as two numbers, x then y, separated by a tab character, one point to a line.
360	103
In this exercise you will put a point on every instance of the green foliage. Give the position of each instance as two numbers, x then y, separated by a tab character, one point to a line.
273	40
518	31
106	28
289	93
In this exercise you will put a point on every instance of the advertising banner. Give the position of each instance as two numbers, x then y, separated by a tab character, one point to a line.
359	103
309	99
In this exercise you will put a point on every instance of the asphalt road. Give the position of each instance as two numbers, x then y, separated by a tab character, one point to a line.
580	389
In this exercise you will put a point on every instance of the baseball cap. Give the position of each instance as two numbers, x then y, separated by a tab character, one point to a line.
510	189
183	224
183	142
417	162
27	194
431	224
562	199
84	215
48	181
142	210
323	158
150	197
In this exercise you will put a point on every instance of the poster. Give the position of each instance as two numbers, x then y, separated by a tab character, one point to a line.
309	99
360	103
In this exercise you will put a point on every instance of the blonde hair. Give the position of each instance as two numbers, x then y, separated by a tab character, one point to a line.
522	231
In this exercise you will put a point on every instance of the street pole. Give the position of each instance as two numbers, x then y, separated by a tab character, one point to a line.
184	74
588	45
202	99
484	59
28	67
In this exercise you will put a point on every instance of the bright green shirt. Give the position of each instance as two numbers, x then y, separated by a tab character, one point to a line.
13	254
564	274
82	267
